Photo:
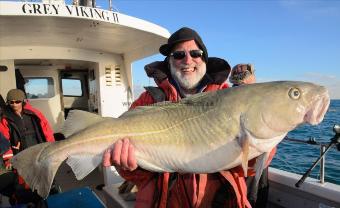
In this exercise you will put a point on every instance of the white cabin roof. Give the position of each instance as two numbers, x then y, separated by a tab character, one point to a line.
37	24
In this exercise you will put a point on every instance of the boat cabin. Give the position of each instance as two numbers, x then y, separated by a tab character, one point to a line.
72	57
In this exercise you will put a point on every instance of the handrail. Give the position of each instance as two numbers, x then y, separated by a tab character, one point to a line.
312	141
324	147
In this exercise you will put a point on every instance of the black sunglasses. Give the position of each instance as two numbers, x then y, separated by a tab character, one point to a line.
181	54
15	101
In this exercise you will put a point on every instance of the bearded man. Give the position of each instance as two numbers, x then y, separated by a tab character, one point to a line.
186	70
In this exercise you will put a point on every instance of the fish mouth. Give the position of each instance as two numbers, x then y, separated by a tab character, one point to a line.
317	110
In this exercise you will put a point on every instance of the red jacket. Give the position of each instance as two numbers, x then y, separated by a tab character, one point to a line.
46	128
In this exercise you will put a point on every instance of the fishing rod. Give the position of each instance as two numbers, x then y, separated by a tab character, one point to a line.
311	140
334	141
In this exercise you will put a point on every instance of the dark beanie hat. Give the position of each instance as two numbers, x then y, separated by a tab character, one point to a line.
15	94
181	35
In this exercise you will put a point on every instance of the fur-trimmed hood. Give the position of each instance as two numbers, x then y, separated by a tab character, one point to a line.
217	69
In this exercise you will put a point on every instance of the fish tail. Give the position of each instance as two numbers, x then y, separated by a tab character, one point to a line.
36	169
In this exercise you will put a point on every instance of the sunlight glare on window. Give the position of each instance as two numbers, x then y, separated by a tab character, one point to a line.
39	87
72	87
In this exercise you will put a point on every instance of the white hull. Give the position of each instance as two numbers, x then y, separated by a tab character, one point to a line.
311	193
282	191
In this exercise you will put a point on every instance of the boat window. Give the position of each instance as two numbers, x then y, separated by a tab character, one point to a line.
72	87
39	87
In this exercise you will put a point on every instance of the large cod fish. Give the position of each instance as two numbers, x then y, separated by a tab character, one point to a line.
204	133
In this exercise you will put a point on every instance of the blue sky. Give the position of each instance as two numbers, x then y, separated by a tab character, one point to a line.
285	40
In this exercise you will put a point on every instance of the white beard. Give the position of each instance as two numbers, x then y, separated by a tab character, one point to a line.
188	82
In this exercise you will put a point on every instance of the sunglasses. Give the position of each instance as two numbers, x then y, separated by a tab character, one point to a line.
181	54
15	101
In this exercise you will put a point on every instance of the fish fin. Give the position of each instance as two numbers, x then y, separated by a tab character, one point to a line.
153	166
245	154
199	99
244	141
78	120
36	168
82	165
260	165
138	110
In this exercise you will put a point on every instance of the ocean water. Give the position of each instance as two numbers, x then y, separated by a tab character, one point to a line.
298	157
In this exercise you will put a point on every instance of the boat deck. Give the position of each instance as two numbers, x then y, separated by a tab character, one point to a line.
95	180
67	181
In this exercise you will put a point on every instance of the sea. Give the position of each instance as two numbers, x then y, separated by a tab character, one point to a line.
298	157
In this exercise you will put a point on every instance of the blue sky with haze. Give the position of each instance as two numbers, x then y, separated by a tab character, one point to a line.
285	40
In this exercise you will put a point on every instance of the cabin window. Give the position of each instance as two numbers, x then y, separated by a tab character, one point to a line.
39	87
72	87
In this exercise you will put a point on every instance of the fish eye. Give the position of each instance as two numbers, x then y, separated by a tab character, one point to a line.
294	93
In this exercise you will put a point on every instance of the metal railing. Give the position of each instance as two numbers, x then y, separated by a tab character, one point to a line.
324	147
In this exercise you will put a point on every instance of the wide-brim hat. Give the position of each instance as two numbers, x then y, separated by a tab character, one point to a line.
183	34
15	94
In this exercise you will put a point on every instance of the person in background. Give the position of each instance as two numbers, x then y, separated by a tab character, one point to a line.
186	70
7	177
23	126
242	74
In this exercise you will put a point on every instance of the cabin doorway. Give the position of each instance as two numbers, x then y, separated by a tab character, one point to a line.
75	90
57	86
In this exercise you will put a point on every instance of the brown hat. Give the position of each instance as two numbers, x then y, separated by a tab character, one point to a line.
15	94
181	35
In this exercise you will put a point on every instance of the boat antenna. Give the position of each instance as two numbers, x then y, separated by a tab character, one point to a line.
334	141
86	3
111	6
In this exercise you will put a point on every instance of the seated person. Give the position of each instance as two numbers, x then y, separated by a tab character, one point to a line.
23	126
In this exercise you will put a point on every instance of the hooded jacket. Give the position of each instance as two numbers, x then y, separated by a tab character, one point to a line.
187	190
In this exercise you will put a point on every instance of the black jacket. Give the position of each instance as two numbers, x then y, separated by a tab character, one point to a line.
16	129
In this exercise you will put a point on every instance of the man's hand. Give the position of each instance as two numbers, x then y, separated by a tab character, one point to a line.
17	147
122	155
